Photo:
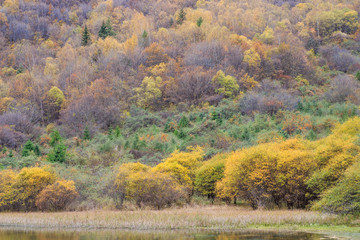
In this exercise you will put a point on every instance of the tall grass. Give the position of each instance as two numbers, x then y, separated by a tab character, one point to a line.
212	218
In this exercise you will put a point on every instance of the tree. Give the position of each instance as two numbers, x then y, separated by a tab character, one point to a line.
252	58
267	36
55	138
106	30
184	122
53	101
28	148
148	92
37	150
181	16
85	39
86	135
58	153
226	85
199	21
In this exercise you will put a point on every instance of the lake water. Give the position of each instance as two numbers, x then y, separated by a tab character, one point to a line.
151	235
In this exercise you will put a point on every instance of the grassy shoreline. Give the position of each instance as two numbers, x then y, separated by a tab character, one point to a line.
191	218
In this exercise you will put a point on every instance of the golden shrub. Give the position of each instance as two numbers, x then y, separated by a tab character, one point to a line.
57	196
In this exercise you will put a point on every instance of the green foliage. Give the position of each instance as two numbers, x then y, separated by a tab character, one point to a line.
344	197
225	85
117	132
58	153
181	16
209	174
28	148
357	75
55	138
37	150
184	122
106	30
199	21
85	38
86	135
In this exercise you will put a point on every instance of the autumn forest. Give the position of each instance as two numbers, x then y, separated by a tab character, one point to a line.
153	104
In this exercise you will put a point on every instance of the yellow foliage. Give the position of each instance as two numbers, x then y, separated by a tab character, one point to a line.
109	45
130	44
51	69
5	104
121	183
267	173
56	196
7	178
27	185
12	5
248	82
182	165
154	189
252	58
148	92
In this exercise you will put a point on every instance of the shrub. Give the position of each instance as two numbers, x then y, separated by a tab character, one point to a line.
343	88
28	184
154	189
269	99
268	174
121	182
344	197
338	58
184	122
333	155
209	174
7	178
57	196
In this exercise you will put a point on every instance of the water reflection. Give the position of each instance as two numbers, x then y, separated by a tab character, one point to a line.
146	235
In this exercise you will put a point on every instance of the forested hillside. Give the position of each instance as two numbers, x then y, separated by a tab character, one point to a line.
105	104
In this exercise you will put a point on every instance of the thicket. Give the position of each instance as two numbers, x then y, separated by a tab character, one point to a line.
87	86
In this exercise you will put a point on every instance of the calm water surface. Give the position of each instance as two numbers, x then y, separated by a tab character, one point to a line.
171	235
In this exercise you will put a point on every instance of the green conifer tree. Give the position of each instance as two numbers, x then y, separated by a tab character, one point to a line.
199	21
11	154
86	135
28	148
102	32
37	150
58	153
106	29
55	138
117	132
85	40
184	122
181	17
